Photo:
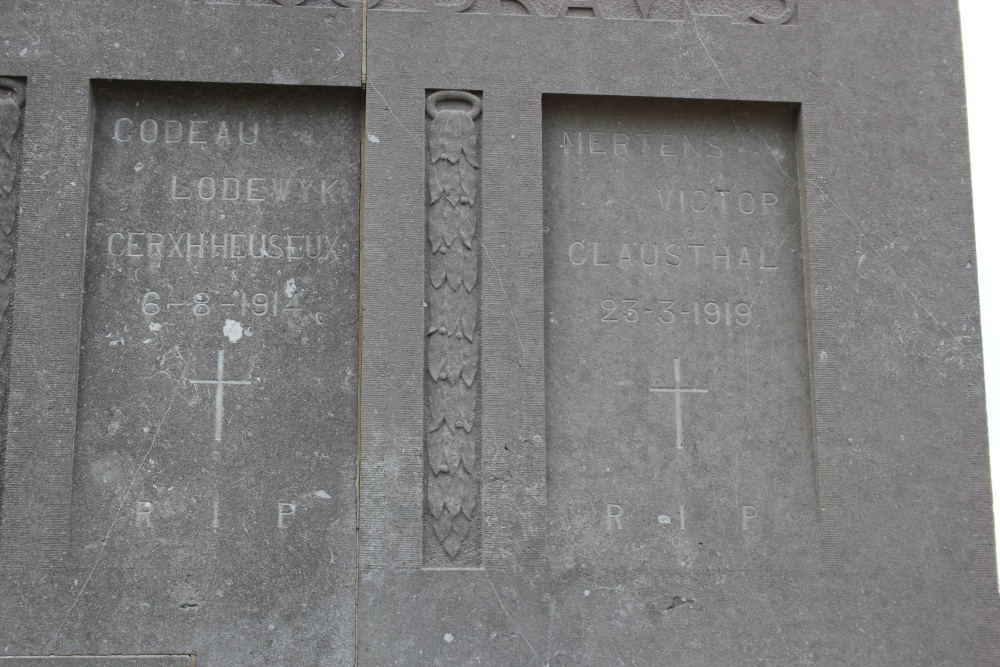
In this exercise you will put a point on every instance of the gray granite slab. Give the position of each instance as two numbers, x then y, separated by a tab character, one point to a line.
593	423
221	283
677	392
833	403
218	372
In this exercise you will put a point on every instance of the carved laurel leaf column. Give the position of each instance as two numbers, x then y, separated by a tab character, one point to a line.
11	104
451	384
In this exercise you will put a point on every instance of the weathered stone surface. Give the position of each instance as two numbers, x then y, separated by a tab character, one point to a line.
669	346
99	661
806	409
677	381
218	371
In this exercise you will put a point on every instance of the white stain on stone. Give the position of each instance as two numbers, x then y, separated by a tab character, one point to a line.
232	330
374	138
322	494
448	637
663	519
586	592
290	288
155	326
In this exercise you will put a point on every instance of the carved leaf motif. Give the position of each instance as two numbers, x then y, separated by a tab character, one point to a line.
435	498
435	454
8	173
453	405
442	224
437	355
452	340
4	328
645	6
6	296
11	99
449	180
470	145
449	132
460	261
435	190
468	222
10	121
6	259
437	269
469	178
470	366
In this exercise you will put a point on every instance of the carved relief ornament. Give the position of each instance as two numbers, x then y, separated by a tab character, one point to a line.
452	333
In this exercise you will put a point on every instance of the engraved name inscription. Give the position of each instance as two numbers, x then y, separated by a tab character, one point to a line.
233	189
192	132
219	356
676	366
647	254
209	245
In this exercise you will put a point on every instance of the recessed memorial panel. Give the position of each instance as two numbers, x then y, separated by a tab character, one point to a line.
214	481
677	375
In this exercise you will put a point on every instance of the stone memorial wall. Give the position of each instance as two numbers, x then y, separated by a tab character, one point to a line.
499	332
218	382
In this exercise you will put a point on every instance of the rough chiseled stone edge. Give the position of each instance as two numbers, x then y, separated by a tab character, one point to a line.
11	121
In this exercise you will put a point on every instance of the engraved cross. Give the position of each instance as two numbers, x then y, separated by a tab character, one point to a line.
219	386
677	390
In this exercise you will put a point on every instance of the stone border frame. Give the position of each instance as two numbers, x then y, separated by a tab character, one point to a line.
512	280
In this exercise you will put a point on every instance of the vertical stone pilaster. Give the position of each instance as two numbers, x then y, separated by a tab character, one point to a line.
451	384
